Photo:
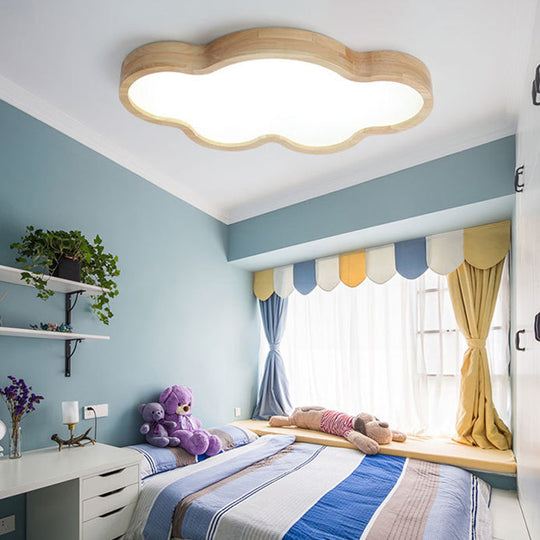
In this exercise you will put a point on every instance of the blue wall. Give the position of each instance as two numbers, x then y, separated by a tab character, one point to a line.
478	174
183	316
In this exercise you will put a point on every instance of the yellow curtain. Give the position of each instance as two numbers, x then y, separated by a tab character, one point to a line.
474	294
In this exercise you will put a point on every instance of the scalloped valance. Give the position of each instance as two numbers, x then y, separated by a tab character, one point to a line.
482	247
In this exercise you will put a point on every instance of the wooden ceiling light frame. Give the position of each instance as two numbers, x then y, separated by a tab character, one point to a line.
276	43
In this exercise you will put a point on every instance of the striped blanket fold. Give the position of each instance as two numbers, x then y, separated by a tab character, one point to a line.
274	489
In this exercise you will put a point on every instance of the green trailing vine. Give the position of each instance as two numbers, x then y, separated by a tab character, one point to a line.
40	252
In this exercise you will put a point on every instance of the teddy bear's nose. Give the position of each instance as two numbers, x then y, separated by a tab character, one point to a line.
186	408
383	424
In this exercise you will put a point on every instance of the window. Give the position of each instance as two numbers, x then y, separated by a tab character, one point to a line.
392	349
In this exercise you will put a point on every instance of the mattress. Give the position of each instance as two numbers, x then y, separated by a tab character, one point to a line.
275	488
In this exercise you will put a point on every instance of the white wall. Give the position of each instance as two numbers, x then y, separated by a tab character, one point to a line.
527	291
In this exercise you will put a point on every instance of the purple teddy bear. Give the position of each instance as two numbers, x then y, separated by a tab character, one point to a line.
155	426
177	402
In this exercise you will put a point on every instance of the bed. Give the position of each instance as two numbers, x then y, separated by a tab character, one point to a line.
271	487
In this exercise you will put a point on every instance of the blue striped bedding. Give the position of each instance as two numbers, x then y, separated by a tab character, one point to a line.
274	488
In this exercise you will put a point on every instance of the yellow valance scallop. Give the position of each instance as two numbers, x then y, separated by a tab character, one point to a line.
485	246
352	268
482	247
263	284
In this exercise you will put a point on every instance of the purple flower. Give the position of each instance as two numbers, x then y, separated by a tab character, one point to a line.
18	399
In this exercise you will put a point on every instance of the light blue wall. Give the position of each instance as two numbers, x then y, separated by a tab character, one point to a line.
183	316
478	174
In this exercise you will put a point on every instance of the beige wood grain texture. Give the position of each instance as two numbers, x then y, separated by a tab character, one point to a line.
437	450
283	43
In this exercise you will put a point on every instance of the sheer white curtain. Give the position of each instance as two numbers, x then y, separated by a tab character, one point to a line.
355	350
391	349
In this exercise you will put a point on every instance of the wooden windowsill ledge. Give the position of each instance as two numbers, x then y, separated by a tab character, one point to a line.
437	450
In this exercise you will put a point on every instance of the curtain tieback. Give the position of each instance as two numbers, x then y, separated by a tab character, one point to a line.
274	346
476	343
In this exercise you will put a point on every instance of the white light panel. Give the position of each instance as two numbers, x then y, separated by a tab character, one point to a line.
301	101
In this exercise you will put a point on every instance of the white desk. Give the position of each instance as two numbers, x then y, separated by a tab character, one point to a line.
79	493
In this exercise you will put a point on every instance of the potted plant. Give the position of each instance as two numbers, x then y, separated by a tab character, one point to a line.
71	256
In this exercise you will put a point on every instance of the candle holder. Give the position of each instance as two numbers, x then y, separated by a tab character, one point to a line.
73	441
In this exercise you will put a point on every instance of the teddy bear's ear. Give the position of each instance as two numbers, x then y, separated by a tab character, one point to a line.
165	394
141	407
359	424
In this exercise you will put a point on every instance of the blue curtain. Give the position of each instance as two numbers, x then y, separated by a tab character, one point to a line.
274	391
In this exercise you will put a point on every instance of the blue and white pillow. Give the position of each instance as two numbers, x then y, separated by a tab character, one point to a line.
156	460
232	436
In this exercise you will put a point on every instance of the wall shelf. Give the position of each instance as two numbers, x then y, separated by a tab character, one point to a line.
71	289
43	334
13	275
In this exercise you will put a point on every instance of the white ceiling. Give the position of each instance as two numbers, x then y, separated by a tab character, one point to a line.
60	61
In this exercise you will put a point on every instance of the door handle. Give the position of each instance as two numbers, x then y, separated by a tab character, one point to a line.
536	87
537	327
518	347
518	186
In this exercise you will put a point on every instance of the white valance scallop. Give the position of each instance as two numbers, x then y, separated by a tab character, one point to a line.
444	252
283	280
327	272
381	263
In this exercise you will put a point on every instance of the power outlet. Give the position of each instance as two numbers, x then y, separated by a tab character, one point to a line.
7	525
237	411
101	410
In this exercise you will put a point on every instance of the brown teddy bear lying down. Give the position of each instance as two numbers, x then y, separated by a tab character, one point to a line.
363	430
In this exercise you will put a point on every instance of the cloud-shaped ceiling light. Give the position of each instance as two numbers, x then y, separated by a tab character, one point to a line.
301	89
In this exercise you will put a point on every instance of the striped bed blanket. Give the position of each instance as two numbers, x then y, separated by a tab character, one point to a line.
274	488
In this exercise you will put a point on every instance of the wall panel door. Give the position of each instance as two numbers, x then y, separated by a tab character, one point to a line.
527	294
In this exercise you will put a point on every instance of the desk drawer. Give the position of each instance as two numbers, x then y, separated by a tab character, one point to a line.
109	526
107	502
109	481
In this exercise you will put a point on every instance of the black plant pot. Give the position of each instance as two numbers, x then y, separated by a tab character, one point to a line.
68	269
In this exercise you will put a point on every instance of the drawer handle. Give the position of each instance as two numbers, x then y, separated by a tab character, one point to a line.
109	493
110	473
111	513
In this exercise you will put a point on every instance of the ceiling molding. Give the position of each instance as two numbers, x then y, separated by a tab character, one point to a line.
43	111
